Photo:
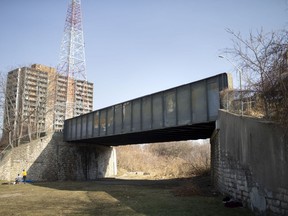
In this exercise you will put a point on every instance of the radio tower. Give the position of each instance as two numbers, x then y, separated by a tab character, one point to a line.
71	69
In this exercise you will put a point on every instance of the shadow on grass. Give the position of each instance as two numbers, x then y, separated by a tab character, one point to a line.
202	183
193	196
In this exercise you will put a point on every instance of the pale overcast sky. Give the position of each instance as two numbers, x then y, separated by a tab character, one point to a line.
135	47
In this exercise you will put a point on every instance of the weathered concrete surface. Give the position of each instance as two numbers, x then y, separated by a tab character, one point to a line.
51	159
250	163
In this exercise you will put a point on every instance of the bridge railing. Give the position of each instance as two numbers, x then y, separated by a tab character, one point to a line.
196	102
245	102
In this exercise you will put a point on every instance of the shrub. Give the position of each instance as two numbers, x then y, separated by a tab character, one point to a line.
166	160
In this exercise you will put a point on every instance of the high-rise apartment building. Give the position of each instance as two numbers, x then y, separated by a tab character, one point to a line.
38	100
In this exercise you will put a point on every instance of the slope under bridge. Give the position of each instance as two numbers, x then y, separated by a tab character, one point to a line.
182	113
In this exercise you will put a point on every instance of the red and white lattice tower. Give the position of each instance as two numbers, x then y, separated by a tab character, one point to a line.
72	53
72	68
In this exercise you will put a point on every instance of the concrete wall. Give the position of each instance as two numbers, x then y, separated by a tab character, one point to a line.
51	159
250	163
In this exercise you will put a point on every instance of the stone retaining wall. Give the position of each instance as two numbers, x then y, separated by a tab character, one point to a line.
250	163
51	159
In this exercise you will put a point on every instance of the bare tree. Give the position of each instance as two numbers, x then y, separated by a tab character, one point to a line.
4	138
24	108
262	58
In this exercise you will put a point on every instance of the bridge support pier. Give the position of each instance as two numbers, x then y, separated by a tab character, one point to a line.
91	162
105	163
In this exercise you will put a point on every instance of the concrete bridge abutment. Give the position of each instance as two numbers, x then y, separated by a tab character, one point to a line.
52	159
249	163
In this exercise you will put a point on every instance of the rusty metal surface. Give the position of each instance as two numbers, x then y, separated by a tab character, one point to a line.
184	112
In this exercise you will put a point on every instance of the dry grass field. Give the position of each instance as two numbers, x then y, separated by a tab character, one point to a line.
165	160
115	197
158	179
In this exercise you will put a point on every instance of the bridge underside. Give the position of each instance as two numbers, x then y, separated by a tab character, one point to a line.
188	132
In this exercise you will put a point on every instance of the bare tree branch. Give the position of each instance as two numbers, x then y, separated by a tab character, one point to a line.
263	59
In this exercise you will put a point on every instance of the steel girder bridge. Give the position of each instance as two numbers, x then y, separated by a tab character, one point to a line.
182	113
